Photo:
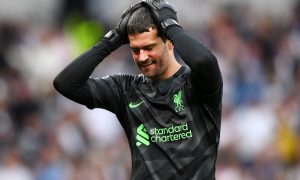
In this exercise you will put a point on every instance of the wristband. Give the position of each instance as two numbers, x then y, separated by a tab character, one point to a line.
169	22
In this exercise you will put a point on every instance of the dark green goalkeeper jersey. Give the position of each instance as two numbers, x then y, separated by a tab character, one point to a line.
173	133
172	125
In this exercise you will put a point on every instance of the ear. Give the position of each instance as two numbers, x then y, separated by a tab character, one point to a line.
170	45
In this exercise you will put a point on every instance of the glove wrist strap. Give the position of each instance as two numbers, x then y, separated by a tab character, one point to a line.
168	22
113	38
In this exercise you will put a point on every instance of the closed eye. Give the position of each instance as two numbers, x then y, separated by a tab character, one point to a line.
135	50
146	48
150	47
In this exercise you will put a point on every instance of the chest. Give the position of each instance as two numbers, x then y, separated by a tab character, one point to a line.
165	104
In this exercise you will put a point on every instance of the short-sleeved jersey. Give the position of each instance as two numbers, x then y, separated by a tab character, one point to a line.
172	129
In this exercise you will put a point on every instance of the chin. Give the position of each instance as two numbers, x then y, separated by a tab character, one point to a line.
146	72
148	75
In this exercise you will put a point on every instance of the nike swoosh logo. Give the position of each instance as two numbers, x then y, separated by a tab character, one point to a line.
135	105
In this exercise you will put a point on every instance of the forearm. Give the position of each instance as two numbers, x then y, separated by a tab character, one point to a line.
203	63
72	80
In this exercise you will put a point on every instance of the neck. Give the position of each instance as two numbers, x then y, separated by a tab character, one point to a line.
173	67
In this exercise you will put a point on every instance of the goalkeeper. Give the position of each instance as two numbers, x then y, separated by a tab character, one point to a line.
171	112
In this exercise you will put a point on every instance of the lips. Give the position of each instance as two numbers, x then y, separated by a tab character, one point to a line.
146	64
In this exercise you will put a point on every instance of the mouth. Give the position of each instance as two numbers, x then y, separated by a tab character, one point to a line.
146	64
146	68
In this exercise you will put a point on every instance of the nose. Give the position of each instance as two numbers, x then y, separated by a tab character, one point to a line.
143	56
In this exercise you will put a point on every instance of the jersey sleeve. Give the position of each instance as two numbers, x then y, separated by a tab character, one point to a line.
71	82
205	74
106	93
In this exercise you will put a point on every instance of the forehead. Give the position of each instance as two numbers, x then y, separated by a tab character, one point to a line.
144	39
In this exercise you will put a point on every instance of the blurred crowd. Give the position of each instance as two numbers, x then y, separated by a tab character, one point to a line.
45	136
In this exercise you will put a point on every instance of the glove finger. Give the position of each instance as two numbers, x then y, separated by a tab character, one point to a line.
159	4
152	8
131	9
160	8
122	26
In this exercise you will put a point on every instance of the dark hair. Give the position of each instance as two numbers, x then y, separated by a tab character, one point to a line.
141	20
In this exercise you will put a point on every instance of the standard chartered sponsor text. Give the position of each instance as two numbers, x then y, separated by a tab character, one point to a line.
172	133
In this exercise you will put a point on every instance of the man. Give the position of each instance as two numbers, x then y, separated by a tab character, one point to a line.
171	112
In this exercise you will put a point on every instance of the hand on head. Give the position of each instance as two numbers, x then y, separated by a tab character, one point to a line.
163	13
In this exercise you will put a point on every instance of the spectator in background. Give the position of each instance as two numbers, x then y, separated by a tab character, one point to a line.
12	166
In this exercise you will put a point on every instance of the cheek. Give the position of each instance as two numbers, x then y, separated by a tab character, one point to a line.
163	58
156	55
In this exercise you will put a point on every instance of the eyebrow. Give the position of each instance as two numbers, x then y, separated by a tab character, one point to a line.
144	47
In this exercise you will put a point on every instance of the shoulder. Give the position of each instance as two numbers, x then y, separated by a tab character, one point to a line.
126	80
184	75
130	78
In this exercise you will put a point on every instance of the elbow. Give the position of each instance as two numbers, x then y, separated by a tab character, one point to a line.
205	61
55	83
58	84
